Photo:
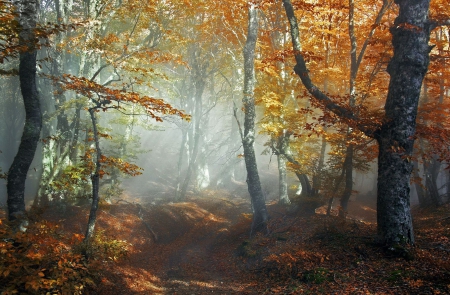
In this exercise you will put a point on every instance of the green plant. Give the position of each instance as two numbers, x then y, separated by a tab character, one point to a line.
317	275
102	247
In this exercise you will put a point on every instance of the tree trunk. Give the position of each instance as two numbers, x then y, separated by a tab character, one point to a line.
33	119
317	178
407	68
348	168
260	215
282	185
95	178
431	171
419	188
180	162
199	87
306	186
227	175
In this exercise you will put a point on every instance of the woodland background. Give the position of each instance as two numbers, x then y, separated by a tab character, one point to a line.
141	182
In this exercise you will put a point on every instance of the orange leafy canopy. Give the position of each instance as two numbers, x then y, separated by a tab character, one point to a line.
103	97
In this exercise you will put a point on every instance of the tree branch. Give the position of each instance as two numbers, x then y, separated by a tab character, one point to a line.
302	71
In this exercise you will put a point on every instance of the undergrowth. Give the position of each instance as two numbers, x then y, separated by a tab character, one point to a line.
46	260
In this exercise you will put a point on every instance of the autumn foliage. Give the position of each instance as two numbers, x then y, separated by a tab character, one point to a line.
42	260
131	64
210	251
48	259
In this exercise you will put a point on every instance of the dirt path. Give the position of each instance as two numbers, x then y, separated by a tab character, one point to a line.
194	267
196	264
184	252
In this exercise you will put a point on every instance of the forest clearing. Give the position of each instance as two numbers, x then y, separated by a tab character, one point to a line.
230	147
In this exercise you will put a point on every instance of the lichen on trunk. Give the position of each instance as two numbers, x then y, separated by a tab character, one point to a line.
260	216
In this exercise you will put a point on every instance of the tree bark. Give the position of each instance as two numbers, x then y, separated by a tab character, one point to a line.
95	178
33	119
407	68
348	170
260	216
306	186
282	185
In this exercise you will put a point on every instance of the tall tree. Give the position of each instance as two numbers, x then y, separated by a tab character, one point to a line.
33	120
260	216
395	136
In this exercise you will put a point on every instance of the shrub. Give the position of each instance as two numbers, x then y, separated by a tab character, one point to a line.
41	261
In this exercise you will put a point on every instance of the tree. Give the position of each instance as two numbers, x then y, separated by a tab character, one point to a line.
33	120
103	98
395	135
355	62
260	216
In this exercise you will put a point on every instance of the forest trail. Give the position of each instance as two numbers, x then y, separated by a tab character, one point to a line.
183	248
202	246
195	263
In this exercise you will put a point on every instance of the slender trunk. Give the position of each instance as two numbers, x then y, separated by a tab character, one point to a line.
431	171
348	168
227	174
180	163
76	133
337	183
202	173
200	86
33	119
317	178
354	66
418	185
95	178
260	216
306	186
283	143
283	187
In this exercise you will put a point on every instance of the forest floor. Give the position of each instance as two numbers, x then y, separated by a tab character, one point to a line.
202	246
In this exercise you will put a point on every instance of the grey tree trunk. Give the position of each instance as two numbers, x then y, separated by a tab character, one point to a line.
306	186
282	186
260	216
283	143
33	119
407	68
95	178
199	88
